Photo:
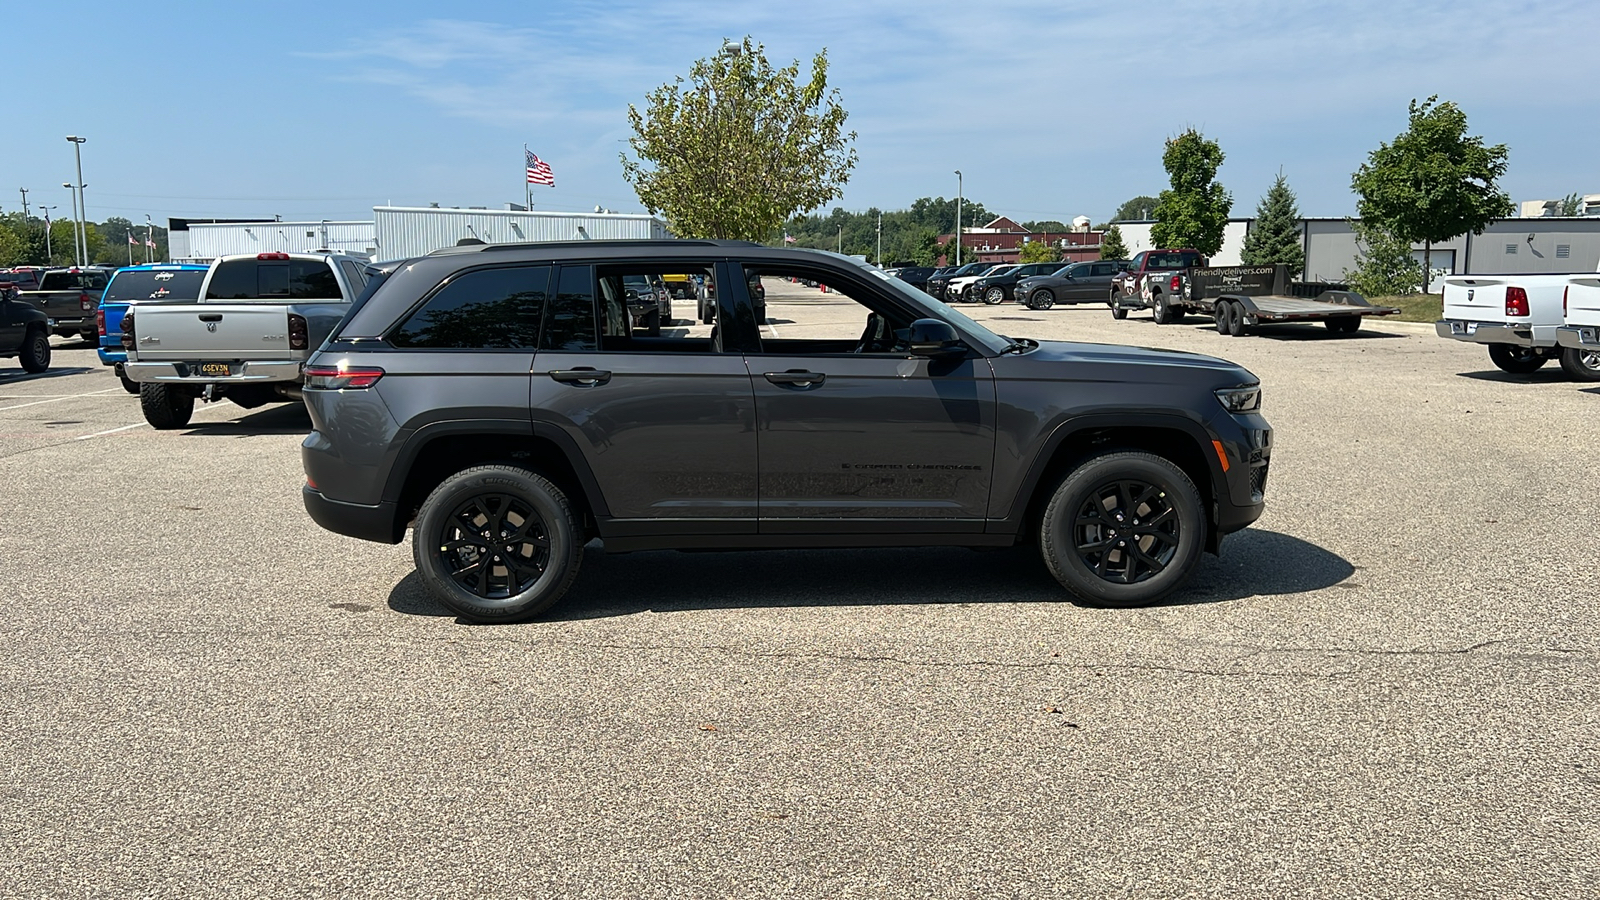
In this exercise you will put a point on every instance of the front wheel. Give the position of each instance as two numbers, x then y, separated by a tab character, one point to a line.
994	296
165	406
1581	364
1118	312
1516	360
35	355
652	323
1124	529
497	543
1042	299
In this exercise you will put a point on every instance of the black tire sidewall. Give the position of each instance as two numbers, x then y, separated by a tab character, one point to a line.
35	356
1061	557
164	406
547	500
1572	364
1507	358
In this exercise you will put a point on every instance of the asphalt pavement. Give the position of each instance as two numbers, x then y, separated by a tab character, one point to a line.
1386	688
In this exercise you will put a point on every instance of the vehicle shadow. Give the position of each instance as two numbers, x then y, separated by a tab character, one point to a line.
1546	375
1254	563
1304	332
18	376
285	418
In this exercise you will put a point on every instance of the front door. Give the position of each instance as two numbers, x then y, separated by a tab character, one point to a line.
851	429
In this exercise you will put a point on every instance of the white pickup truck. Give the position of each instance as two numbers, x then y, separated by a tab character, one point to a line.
258	319
1518	316
1580	336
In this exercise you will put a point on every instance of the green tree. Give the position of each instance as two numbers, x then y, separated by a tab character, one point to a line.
740	147
1571	205
1276	235
1042	226
1385	265
1434	182
1111	246
1194	211
1140	207
1038	251
14	247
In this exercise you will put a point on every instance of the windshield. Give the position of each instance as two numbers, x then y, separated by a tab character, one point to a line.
990	341
1002	270
1062	272
133	286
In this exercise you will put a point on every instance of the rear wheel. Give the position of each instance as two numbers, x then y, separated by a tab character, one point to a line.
1237	326
652	323
994	296
1343	324
497	543
1123	529
1516	360
35	355
1581	364
1222	312
1042	299
1161	310
129	385
165	406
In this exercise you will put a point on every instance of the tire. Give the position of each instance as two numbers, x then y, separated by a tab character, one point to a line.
129	385
537	568
994	296
165	406
35	353
1084	543
1343	324
1219	314
1118	312
708	311
652	323
1237	326
1581	364
1160	310
1516	360
1042	299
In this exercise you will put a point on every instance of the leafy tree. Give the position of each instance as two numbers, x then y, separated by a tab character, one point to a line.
1276	237
1385	265
740	147
1434	182
1111	245
1038	251
1140	207
14	248
1194	211
1041	226
1571	205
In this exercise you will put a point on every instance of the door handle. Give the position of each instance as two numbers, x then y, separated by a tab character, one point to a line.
796	378
211	317
583	376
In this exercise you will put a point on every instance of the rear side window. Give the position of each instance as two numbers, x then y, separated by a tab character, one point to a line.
570	323
131	287
489	309
270	279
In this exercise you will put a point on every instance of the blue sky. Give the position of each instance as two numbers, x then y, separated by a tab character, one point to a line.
323	110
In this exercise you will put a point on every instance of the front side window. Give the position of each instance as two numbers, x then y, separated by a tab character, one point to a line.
487	309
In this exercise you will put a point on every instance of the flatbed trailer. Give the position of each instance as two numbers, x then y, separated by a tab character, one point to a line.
1238	298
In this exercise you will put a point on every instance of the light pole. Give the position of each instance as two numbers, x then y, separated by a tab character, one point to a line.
879	260
841	240
958	217
46	210
73	192
149	243
83	205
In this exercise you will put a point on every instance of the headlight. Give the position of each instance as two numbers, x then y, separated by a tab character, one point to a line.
1240	399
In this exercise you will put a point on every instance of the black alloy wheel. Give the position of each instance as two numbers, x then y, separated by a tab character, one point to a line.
1127	531
494	546
1042	299
1516	360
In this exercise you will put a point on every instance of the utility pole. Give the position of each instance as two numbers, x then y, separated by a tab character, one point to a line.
958	217
83	205
24	206
47	231
841	240
879	258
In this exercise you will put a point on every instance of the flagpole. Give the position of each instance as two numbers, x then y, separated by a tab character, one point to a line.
527	185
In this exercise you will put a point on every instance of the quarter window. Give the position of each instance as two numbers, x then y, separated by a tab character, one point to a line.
570	322
489	309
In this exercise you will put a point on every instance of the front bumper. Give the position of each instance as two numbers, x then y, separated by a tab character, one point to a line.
1579	337
251	372
1484	332
369	523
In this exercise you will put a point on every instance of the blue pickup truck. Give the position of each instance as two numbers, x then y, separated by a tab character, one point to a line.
152	283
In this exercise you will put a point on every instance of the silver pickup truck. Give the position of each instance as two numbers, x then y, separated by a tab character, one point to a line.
258	318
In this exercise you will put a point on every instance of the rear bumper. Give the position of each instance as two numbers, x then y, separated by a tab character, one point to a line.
251	372
1484	332
1579	337
369	523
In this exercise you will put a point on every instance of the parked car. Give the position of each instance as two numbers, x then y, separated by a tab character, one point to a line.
26	278
916	276
1519	317
143	284
939	284
68	297
1132	288
959	288
1579	335
996	286
258	318
1122	464
1072	283
24	330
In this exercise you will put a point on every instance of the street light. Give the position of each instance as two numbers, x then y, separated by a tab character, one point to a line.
83	206
73	193
958	217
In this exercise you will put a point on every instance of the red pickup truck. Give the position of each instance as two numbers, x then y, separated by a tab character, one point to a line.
1128	288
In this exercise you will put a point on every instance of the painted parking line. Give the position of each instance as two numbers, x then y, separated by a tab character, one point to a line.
85	437
59	399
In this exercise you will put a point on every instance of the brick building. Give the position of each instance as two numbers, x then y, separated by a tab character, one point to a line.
1001	241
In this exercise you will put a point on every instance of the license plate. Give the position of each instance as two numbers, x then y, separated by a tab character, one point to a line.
213	369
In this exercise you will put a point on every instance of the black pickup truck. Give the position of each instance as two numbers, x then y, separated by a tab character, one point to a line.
24	331
1238	298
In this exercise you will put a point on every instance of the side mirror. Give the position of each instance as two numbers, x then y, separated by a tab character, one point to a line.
631	294
934	339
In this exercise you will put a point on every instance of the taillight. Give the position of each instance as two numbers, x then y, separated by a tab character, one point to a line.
1177	283
127	330
85	302
341	377
1516	301
1564	292
272	256
298	338
100	321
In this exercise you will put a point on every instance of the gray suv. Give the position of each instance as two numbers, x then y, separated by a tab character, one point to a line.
496	400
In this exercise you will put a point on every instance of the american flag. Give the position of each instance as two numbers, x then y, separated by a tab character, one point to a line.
539	171
787	239
150	242
132	241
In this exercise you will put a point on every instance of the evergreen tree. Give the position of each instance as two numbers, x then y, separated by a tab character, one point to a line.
1275	236
1111	246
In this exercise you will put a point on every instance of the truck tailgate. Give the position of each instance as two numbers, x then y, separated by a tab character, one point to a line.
1478	299
1583	301
211	331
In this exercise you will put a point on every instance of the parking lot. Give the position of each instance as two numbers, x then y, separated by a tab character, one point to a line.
1386	687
